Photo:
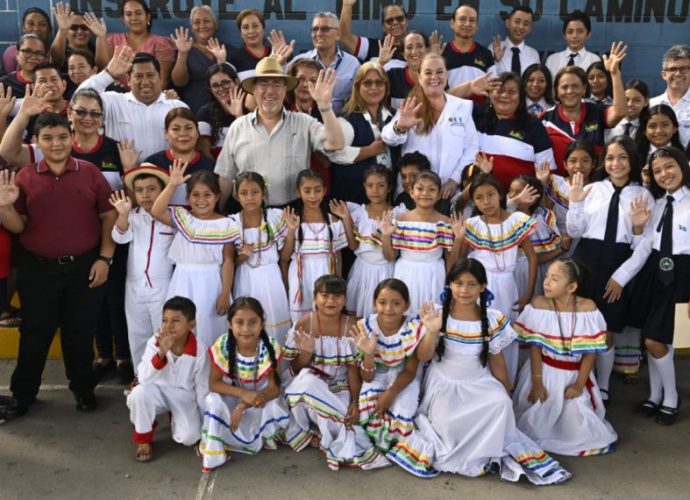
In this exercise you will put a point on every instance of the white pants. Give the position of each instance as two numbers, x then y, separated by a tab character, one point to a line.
144	311
148	400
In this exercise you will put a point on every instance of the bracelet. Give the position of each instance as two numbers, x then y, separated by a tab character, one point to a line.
536	375
365	369
325	110
398	130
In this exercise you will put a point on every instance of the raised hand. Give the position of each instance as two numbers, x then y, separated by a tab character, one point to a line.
386	49
339	209
35	101
387	223
183	42
363	341
121	202
121	61
129	155
177	176
6	101
322	90
457	223
639	211
97	26
237	96
165	341
612	61
291	219
218	50
61	13
431	317
483	85
577	192
9	192
484	162
408	113
543	171
436	44
280	49
498	48
528	196
305	341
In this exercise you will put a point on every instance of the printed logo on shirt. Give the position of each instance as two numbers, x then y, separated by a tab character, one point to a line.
517	135
682	228
479	62
591	127
455	121
108	166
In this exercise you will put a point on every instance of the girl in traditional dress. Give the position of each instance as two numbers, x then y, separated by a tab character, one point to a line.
244	411
202	249
324	392
312	245
261	236
465	423
556	399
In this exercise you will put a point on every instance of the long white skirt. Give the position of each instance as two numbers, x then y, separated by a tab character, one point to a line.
424	280
317	411
465	425
573	427
313	267
361	283
201	284
265	284
259	428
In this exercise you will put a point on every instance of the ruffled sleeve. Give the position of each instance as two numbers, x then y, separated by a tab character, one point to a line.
546	237
290	351
557	190
218	354
278	225
500	332
516	228
339	236
204	232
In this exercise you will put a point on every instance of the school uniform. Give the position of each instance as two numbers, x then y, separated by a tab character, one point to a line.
465	66
244	61
401	84
175	384
582	58
367	49
624	127
148	274
522	54
164	159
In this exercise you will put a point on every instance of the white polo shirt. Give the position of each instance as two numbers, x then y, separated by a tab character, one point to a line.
682	110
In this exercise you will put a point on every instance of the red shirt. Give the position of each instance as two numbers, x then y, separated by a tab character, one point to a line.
63	211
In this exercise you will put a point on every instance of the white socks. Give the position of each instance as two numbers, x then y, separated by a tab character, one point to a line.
667	373
604	365
655	387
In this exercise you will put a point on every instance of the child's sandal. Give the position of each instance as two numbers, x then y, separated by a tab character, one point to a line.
144	453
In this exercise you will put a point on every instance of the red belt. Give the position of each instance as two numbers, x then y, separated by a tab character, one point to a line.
572	366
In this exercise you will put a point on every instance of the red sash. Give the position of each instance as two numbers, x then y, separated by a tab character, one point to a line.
572	366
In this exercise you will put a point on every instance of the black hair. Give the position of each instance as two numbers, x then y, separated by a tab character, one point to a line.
87	94
609	82
218	114
46	120
476	269
31	36
641	140
634	159
204	177
144	58
147	11
578	15
144	176
418	33
521	8
533	68
48	65
483	179
393	284
643	89
668	152
414	158
250	176
302	176
490	120
231	346
391	5
575	272
383	171
428	175
183	305
90	60
471	5
535	184
37	10
330	283
581	145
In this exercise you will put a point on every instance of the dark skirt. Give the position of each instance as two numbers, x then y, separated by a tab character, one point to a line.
653	304
600	266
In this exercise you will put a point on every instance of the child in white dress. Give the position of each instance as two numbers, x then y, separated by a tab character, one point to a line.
465	423
202	250
262	234
557	402
244	411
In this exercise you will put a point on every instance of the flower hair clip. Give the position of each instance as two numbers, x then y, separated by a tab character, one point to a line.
445	294
488	296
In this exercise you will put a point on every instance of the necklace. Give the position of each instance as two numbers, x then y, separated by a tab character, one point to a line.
251	260
255	378
573	320
337	345
493	244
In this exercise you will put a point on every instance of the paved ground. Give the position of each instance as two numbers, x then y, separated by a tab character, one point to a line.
56	452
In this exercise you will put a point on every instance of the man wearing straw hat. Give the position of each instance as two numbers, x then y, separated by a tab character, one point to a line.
274	142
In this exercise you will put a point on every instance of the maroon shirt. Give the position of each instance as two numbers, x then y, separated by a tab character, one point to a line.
63	212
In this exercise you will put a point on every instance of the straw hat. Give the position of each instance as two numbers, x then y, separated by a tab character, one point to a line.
148	169
269	67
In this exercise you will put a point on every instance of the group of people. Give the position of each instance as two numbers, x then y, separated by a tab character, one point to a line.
397	250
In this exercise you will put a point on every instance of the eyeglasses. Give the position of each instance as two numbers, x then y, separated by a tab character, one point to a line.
273	84
393	20
373	83
79	27
38	54
506	92
83	113
224	84
322	29
681	70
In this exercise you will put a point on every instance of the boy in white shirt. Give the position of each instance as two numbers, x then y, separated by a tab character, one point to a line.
148	267
577	28
512	54
173	377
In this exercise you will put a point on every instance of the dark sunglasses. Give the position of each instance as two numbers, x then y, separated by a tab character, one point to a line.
82	113
393	20
77	27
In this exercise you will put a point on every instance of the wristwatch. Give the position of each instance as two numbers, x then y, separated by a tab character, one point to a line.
105	259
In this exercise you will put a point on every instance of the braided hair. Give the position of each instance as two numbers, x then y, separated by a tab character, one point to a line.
249	176
476	269
231	345
305	174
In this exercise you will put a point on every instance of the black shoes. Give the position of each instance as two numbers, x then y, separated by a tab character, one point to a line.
647	408
667	415
125	372
86	402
